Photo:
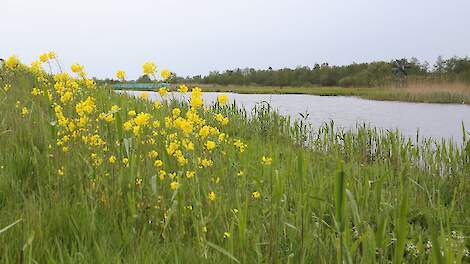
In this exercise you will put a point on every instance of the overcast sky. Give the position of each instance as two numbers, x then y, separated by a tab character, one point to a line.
194	37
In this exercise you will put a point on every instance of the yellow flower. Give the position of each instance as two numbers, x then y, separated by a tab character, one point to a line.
157	104
183	89
256	195
240	145
153	154
125	162
174	185
121	75
127	125
226	235
221	119
211	196
205	163
210	145
240	173
60	171
44	57
7	87
176	112
163	91
149	68
112	159
76	68
144	95
190	174
162	175
24	111
165	74
142	119
35	92
222	99
266	160
51	55
158	163
131	113
115	108
12	62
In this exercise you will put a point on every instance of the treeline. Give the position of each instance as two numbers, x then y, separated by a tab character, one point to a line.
372	74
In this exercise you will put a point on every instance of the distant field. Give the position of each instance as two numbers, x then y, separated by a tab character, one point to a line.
425	93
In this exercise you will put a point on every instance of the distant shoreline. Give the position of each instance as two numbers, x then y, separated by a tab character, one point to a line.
448	94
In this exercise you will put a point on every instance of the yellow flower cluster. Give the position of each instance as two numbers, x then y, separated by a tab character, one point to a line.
182	142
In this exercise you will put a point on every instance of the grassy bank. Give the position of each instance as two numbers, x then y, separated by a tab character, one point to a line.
445	93
95	177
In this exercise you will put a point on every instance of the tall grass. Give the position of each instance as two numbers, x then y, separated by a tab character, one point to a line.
357	196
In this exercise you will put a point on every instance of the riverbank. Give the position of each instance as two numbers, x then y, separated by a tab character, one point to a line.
91	176
447	94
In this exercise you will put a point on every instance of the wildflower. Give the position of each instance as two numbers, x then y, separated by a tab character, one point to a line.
256	195
166	74
131	113
44	57
138	181
162	175
196	102
24	111
144	95
149	68
222	137
35	92
152	154
136	130
115	108
7	87
157	104
125	162
85	107
210	145
163	91
211	196
266	161
127	125
240	173
51	55
65	149
121	75
183	89
142	119
174	185
221	119
12	62
158	163
222	99
240	145
235	210
60	171
205	163
204	131
156	124
190	174
226	235
76	68
112	159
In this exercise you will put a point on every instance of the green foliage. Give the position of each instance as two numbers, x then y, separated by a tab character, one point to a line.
372	74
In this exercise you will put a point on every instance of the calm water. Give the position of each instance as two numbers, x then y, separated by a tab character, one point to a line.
433	120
